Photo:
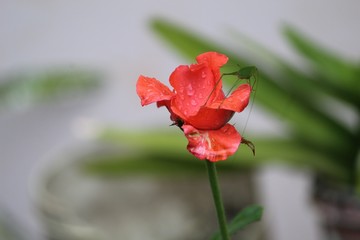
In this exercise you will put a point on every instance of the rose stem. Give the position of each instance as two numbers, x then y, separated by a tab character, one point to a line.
212	173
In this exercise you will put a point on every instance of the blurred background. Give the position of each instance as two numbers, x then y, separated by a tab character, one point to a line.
68	73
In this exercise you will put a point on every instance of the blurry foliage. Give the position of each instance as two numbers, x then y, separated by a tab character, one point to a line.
164	153
25	89
156	152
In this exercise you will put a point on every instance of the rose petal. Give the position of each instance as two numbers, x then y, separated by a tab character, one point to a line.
193	85
152	90
214	145
210	119
237	101
214	60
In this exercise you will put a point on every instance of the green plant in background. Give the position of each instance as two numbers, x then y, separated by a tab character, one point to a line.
318	137
29	88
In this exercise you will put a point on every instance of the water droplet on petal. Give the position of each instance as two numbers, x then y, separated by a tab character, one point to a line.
190	90
203	74
193	102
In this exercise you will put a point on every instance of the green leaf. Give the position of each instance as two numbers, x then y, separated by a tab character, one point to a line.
339	76
146	163
165	151
247	216
174	36
25	89
150	152
291	153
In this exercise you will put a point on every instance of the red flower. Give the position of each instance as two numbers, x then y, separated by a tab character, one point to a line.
199	106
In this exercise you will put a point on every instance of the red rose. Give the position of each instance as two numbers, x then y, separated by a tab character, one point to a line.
198	105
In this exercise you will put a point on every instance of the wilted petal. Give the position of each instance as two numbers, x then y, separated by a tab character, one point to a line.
152	90
214	145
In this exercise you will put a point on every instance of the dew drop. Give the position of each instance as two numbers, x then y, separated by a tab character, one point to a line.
203	74
193	102
190	90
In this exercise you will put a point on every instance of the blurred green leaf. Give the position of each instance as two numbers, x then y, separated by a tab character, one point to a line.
191	47
160	152
147	153
247	216
337	75
25	89
147	163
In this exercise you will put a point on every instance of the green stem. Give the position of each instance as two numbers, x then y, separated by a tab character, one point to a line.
211	168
